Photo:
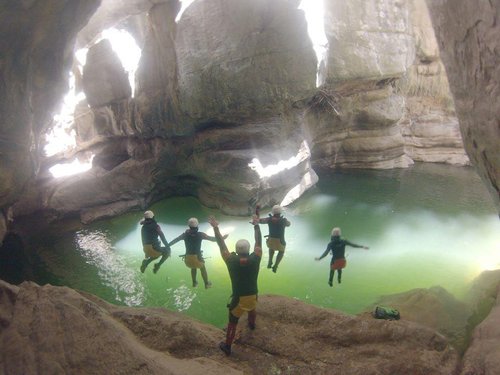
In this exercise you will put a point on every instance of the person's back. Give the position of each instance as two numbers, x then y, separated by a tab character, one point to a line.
192	241
243	271
337	245
149	232
193	257
276	239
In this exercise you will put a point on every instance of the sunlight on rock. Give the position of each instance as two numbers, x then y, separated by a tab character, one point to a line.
62	136
314	12
272	169
307	181
112	268
69	169
185	4
127	50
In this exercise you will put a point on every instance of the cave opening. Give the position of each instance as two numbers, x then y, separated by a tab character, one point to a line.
61	137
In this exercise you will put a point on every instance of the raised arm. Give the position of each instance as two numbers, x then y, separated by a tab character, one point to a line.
257	249
224	252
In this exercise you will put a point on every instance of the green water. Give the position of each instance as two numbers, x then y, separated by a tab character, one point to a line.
425	226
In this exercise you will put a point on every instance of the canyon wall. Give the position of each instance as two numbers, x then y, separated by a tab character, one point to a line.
225	108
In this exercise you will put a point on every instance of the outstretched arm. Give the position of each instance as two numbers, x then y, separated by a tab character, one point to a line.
224	252
325	253
211	238
175	240
354	245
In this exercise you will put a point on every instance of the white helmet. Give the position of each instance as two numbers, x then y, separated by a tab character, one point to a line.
242	247
276	210
149	214
336	231
193	222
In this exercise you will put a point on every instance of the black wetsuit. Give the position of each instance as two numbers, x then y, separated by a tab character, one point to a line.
151	234
192	240
243	271
337	247
276	224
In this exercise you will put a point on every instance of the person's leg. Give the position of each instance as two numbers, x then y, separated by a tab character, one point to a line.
330	279
252	315
193	277
278	260
225	346
145	263
204	274
339	276
165	253
271	256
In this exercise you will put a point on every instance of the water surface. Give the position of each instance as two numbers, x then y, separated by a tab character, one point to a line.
427	225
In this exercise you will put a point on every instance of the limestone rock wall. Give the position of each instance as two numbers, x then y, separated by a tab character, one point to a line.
467	34
104	80
353	120
35	49
430	126
207	86
239	59
55	329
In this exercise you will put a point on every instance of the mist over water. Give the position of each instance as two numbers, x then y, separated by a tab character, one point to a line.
427	225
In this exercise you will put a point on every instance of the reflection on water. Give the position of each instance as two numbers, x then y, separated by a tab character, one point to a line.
425	226
112	268
181	297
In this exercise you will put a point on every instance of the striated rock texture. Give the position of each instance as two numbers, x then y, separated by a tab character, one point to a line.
58	330
430	127
353	120
231	139
384	100
226	107
467	34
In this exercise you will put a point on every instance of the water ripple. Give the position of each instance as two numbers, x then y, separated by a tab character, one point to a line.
112	267
182	297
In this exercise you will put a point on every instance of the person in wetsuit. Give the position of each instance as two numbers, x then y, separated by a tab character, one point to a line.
276	239
150	235
243	270
337	247
193	257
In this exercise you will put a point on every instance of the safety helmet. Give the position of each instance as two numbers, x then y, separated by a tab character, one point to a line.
242	247
149	214
193	222
276	210
336	231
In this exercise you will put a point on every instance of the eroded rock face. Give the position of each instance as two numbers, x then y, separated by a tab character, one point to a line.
241	59
104	78
468	39
368	39
212	81
79	333
430	126
36	47
356	123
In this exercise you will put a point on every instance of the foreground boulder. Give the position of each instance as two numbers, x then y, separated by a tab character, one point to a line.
59	330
